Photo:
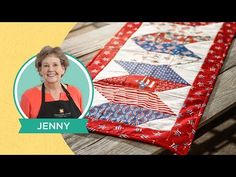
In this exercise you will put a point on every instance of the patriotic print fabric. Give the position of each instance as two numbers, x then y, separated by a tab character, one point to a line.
152	80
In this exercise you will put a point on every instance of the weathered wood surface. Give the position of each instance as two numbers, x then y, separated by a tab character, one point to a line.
81	28
86	43
222	98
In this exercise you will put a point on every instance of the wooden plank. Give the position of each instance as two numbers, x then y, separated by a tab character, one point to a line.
78	142
83	27
87	58
90	41
228	63
222	97
101	24
93	143
80	25
110	145
80	31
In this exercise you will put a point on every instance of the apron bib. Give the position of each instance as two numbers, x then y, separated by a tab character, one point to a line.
58	109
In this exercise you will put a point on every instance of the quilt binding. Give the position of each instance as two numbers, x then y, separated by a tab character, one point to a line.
178	140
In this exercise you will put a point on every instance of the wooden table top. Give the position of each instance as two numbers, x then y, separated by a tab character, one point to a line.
85	40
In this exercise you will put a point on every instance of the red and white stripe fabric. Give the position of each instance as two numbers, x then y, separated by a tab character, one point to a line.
124	95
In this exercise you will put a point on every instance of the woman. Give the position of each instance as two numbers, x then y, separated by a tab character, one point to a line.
52	99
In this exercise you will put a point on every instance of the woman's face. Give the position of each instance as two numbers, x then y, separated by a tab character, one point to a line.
51	69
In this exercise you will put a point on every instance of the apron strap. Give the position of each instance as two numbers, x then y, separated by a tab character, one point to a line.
67	93
43	93
71	101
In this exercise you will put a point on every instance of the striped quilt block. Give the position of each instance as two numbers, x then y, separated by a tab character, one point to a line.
152	81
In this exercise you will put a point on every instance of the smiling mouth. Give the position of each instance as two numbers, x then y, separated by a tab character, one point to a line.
51	75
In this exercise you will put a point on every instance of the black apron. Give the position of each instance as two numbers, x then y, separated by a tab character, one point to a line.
58	109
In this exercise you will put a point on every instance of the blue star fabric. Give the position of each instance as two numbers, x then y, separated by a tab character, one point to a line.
129	114
163	72
168	48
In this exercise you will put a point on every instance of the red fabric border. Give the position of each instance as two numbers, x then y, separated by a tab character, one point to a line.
179	138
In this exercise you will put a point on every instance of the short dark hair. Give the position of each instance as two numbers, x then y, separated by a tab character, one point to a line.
48	50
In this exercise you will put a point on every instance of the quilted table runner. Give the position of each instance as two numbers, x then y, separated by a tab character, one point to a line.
152	81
